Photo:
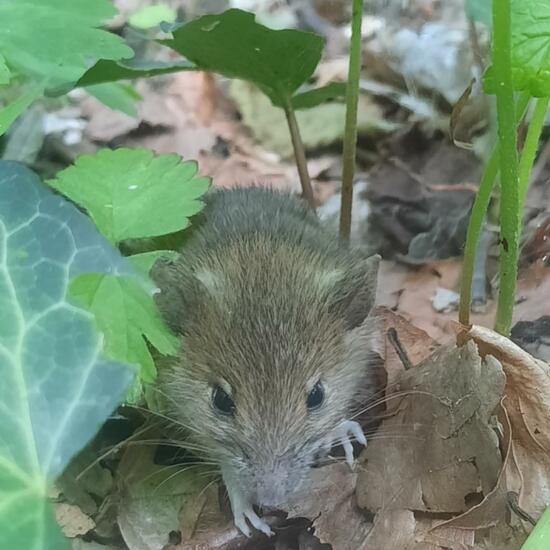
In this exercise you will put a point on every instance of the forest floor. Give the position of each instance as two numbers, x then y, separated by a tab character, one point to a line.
454	462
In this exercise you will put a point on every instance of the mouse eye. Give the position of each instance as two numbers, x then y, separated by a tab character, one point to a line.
222	401
316	397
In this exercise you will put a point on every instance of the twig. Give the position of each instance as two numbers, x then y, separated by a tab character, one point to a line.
512	499
393	337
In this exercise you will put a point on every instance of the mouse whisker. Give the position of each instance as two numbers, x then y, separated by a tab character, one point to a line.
387	398
172	476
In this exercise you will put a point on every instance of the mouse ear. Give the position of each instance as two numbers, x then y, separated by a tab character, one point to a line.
354	297
182	291
166	274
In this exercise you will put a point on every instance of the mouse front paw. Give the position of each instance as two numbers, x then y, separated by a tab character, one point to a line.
242	511
344	434
240	517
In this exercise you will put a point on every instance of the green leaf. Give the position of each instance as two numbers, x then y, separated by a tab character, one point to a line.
57	387
10	112
312	98
480	10
4	71
111	71
132	194
56	39
117	96
530	49
26	136
152	16
233	44
144	262
125	313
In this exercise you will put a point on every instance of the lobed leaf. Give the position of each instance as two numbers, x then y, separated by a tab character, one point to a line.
57	387
125	313
56	39
530	49
132	194
233	44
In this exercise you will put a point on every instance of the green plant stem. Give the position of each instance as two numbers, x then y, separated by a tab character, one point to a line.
350	132
507	138
477	217
299	155
539	539
530	148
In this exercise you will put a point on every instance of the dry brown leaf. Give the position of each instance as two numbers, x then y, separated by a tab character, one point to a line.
414	342
528	406
155	500
330	503
72	520
447	452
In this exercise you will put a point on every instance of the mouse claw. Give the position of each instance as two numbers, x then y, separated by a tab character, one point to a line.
242	525
243	511
347	432
258	523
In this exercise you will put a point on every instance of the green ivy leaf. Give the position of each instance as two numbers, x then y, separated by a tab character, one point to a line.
57	387
233	44
132	194
530	49
125	313
116	95
56	39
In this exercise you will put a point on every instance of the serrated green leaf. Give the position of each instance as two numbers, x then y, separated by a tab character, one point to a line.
233	44
152	16
10	112
530	49
111	71
4	71
56	388
324	94
125	313
144	262
132	194
117	96
56	39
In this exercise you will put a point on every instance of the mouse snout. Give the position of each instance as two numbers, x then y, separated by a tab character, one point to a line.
274	482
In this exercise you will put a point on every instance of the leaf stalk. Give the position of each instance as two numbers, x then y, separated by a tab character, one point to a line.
350	131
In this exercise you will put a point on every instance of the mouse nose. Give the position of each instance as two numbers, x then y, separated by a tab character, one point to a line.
275	483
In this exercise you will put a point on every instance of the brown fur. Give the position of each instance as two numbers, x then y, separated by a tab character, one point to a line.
266	304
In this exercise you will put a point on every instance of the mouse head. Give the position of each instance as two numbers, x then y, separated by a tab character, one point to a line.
270	367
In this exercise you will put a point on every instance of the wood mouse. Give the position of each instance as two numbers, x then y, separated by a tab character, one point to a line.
276	339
